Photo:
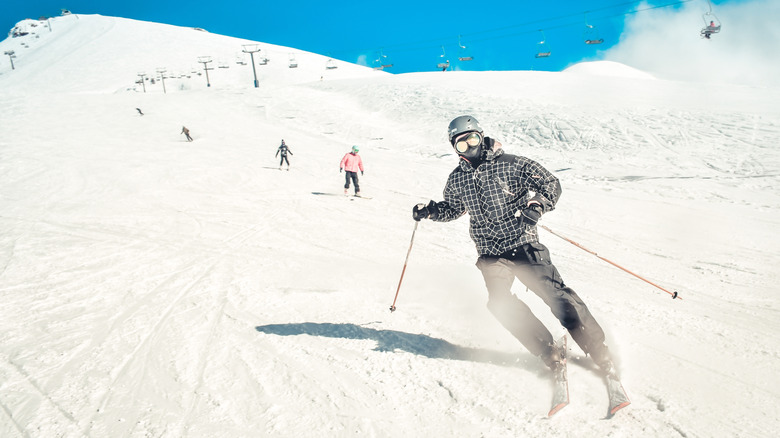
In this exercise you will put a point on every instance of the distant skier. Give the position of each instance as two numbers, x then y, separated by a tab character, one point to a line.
186	132
495	189
351	163
284	150
139	111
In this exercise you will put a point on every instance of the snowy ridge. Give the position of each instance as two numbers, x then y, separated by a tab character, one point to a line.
608	68
157	287
96	53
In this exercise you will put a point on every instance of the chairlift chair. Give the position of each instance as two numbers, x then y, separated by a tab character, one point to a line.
293	62
330	65
443	66
378	65
382	61
711	23
591	33
465	54
542	48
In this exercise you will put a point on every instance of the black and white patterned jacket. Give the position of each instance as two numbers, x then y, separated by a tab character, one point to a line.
492	193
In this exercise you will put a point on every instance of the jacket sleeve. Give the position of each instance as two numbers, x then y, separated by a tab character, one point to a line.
277	152
452	207
542	182
360	163
343	161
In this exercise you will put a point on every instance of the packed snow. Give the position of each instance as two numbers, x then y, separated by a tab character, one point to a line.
151	286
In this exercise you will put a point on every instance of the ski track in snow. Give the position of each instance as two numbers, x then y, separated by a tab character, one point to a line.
155	287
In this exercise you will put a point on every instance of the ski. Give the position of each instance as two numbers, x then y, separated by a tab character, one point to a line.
617	395
560	384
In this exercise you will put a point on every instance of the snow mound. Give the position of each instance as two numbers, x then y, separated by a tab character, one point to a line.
608	68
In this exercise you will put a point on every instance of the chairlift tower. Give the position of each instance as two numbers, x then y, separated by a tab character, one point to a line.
205	60
162	78
143	80
252	49
11	56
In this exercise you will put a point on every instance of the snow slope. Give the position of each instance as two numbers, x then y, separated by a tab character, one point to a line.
155	287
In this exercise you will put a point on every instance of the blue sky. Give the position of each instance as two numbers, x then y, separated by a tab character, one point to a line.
412	35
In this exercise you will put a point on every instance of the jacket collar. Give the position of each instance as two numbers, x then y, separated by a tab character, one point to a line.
491	155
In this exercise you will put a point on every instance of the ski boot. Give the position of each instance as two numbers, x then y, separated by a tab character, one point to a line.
555	358
603	359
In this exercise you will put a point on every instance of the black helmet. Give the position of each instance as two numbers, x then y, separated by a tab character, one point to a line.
472	146
463	124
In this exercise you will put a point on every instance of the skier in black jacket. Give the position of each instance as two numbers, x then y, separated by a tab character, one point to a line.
505	196
284	150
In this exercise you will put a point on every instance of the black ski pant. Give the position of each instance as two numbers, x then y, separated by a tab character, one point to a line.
354	177
531	265
284	158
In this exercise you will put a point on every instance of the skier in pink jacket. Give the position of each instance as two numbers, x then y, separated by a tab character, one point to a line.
351	163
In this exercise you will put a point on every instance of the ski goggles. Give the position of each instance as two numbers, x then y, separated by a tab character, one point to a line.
471	140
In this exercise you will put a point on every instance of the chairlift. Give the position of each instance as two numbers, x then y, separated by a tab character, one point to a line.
443	66
330	65
293	62
381	62
591	34
711	23
378	65
542	48
384	61
465	55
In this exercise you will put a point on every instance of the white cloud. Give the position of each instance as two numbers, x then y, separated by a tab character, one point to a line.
667	43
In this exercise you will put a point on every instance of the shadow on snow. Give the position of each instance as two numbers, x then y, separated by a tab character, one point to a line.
392	340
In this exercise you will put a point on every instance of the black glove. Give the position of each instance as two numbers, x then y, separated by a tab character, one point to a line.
422	211
530	215
341	169
361	173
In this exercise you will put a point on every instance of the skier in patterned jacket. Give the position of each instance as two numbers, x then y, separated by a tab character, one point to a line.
505	196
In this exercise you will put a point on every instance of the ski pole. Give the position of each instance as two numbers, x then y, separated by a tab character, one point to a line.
673	294
392	308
